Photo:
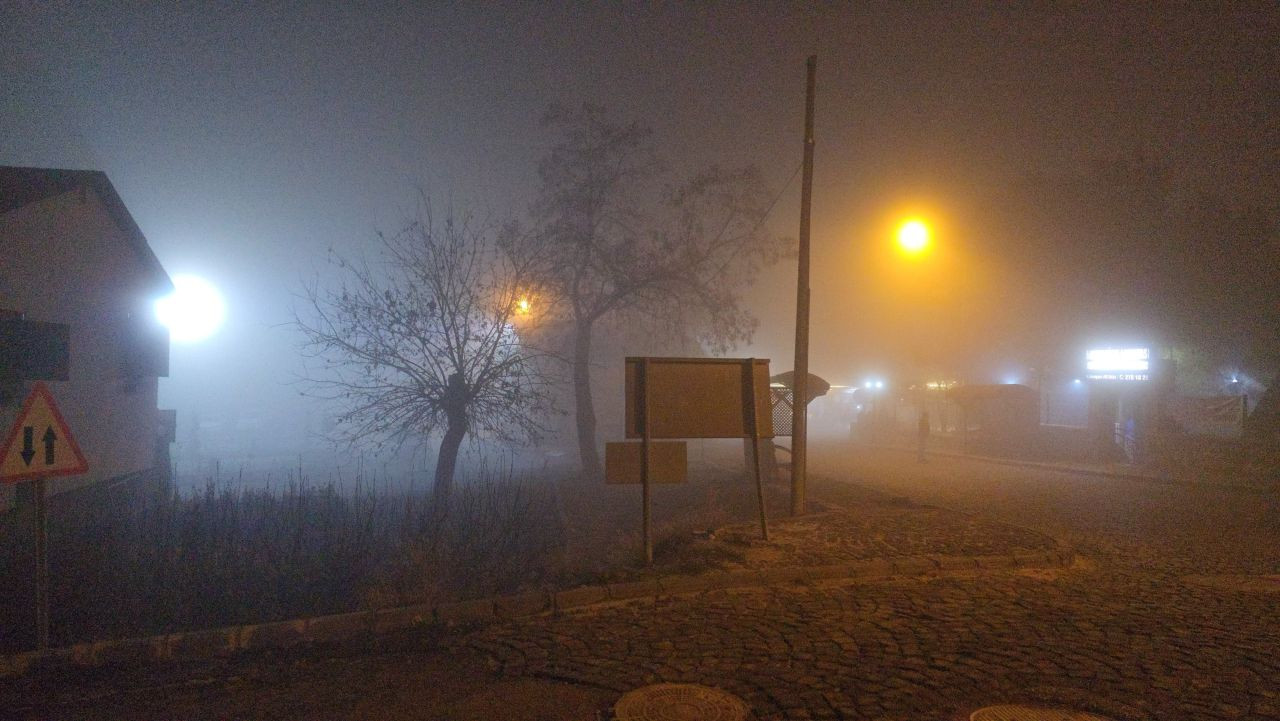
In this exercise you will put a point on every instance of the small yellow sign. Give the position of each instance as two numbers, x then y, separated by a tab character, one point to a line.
669	461
40	444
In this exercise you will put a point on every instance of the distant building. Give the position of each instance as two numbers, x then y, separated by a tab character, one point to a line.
71	253
1002	417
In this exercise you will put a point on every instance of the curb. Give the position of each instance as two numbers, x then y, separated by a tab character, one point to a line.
230	640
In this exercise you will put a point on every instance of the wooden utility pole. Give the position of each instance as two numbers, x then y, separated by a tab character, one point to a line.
800	383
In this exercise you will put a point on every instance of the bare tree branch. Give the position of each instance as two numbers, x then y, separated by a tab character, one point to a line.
426	341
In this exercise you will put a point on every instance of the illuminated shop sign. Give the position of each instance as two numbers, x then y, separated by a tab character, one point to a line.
1118	364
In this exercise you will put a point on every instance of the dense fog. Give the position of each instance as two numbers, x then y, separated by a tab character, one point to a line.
1088	181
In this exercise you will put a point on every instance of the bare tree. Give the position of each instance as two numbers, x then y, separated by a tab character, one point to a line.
425	341
616	241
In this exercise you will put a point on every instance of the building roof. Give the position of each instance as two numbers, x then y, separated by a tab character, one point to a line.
20	187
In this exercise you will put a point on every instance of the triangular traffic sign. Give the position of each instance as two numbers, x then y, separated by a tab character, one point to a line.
40	444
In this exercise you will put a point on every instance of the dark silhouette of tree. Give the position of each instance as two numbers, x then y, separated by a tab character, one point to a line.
426	341
1131	239
617	240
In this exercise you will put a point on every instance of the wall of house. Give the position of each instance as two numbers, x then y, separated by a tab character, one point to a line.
66	261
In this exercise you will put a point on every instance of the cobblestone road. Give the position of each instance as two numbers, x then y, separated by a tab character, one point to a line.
1124	524
1122	634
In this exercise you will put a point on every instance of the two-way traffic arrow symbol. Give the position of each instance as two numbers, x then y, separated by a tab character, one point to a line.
28	444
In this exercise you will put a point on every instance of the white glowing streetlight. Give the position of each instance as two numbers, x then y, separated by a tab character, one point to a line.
193	311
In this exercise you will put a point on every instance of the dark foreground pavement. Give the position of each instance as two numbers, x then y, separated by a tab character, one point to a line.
1171	614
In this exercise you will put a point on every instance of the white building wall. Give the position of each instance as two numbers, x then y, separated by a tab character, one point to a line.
64	260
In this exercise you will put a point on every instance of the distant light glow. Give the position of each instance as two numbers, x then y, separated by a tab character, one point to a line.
879	384
913	236
193	311
522	306
1237	381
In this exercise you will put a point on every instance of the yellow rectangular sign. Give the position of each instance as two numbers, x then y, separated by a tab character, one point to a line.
668	461
698	398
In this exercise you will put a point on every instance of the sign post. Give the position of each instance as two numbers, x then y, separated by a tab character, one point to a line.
40	423
668	398
751	403
42	567
646	460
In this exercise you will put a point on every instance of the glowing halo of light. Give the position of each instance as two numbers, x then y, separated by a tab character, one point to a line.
193	311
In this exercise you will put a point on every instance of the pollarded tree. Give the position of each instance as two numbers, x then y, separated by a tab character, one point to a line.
617	239
423	342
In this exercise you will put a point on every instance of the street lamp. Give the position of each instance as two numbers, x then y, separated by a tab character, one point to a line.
913	237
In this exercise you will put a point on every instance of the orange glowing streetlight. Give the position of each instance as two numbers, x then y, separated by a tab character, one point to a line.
523	306
913	237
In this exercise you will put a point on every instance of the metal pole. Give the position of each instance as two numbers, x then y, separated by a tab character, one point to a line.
754	418
645	450
800	383
42	568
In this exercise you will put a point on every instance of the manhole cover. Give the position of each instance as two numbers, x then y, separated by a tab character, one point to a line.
1031	713
679	702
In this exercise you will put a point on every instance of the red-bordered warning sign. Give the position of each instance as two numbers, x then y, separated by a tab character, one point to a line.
40	444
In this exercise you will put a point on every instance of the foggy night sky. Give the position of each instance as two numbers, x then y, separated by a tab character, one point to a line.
246	142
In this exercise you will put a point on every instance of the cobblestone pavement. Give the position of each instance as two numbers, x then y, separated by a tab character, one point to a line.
1122	634
1145	627
1126	646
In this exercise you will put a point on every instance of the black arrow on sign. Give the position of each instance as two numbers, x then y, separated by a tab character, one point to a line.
49	438
28	452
